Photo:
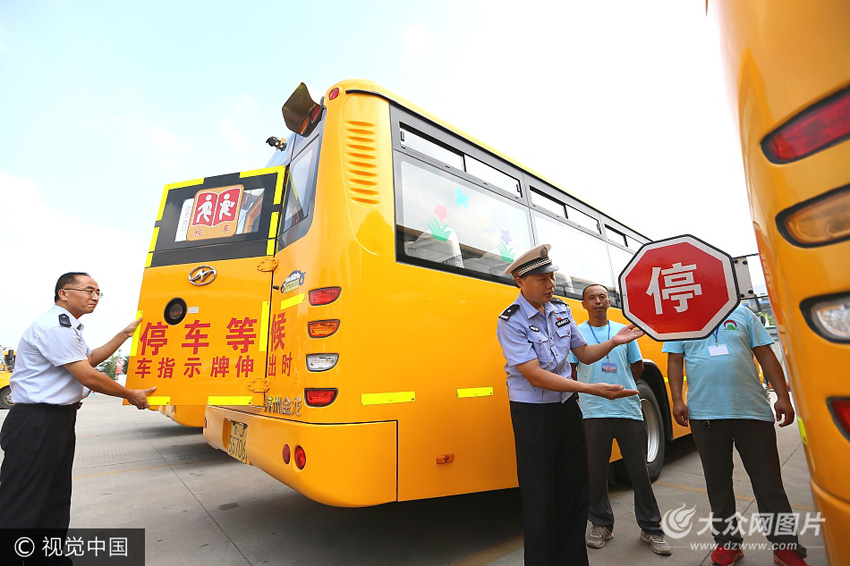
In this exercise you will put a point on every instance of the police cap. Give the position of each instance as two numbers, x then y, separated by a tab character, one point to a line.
533	262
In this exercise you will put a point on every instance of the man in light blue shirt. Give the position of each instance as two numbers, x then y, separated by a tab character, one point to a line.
727	406
54	371
605	420
537	333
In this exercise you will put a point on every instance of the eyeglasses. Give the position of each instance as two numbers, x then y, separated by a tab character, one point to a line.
91	292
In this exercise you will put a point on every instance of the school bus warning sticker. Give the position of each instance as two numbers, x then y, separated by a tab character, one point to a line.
215	213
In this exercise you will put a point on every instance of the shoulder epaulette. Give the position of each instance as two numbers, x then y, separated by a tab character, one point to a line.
557	301
64	320
508	312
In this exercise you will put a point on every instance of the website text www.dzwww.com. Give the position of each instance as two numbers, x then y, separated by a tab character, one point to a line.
747	546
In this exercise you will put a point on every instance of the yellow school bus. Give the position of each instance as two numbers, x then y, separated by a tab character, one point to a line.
338	317
787	71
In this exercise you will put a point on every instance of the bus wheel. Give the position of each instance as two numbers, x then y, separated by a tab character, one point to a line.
6	398
654	429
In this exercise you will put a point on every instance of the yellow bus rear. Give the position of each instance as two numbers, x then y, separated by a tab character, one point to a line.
789	83
383	380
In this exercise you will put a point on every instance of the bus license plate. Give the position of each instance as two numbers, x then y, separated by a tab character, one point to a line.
238	438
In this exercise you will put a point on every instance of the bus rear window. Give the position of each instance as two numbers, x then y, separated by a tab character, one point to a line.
220	213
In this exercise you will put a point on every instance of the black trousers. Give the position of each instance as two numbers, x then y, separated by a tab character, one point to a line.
35	479
552	470
631	438
755	441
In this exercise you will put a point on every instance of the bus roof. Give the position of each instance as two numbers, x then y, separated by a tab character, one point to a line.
363	86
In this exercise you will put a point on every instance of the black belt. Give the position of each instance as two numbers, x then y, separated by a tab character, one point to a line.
48	406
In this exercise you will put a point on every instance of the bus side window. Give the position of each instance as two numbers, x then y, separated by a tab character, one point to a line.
300	194
582	258
619	259
443	219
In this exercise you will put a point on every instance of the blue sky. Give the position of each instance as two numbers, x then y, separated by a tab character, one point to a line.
621	103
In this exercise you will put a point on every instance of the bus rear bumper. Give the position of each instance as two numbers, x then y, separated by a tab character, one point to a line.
835	526
347	465
186	415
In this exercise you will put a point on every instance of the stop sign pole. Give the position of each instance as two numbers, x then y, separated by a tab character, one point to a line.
680	288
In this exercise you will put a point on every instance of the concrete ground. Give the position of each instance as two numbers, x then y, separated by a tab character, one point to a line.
200	507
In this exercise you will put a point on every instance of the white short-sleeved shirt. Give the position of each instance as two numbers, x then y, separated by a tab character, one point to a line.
622	356
726	386
525	334
53	340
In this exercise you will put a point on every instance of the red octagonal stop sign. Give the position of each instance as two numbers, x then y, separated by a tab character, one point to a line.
678	289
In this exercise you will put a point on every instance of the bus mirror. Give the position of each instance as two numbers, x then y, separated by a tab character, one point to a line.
300	112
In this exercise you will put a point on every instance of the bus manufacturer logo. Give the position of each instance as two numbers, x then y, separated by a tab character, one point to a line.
292	281
202	275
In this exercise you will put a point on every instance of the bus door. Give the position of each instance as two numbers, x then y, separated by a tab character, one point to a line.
205	294
296	275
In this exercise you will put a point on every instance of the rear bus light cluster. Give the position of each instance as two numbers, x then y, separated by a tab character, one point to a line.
322	397
820	221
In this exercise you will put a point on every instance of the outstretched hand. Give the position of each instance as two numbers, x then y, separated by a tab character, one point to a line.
611	391
627	334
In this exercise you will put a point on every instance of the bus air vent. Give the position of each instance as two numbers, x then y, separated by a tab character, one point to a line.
361	162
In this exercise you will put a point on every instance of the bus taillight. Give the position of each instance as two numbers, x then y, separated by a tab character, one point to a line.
816	128
829	316
321	362
300	457
319	397
322	328
822	220
286	454
840	409
324	296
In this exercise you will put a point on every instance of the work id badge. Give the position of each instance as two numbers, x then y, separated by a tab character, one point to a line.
609	367
718	350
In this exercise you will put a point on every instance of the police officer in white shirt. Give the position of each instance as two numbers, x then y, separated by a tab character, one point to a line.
54	371
537	333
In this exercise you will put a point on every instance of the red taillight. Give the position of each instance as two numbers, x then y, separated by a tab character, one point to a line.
322	328
286	454
324	296
319	397
300	457
840	408
333	94
816	128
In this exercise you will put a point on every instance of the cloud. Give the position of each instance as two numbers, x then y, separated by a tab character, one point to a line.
39	242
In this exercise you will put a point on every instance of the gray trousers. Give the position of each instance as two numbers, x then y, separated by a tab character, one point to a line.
755	442
631	437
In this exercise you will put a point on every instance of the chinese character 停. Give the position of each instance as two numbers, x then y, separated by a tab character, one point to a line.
678	285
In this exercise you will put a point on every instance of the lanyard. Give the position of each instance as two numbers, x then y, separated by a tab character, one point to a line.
597	339
716	330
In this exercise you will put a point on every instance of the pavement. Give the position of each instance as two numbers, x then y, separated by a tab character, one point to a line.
200	507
